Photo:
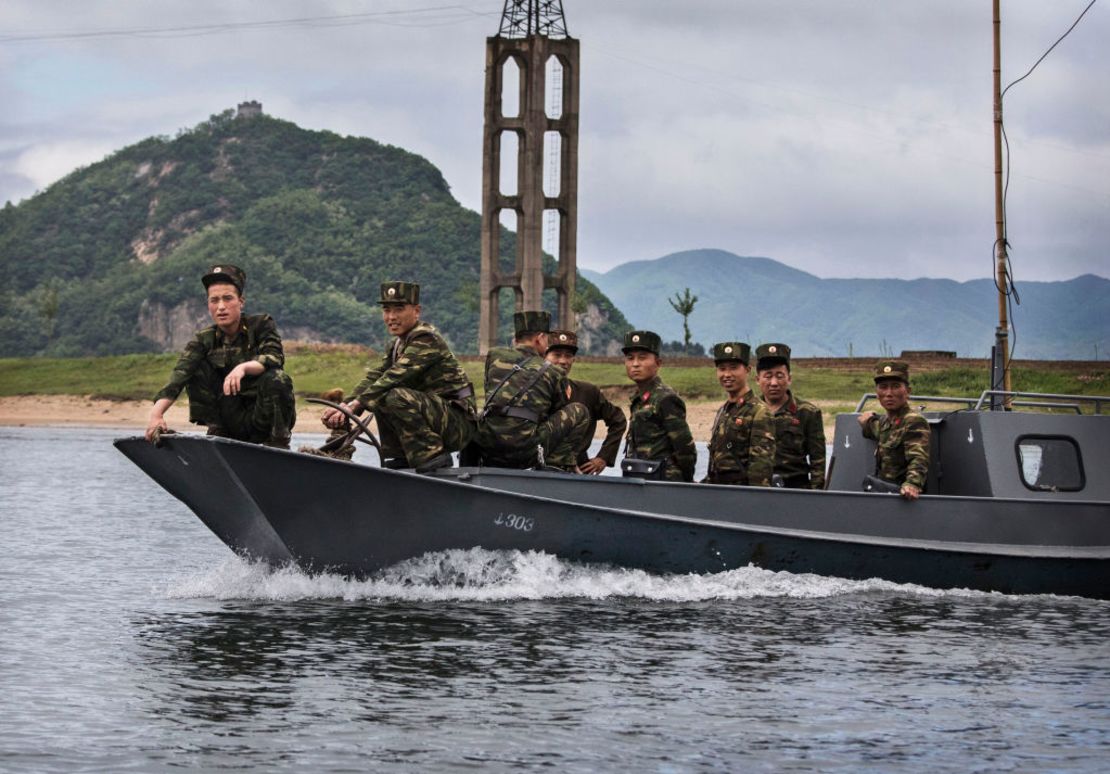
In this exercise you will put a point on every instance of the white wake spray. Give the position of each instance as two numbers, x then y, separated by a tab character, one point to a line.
480	575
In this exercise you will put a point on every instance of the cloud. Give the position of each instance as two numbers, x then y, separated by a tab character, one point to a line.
844	137
46	163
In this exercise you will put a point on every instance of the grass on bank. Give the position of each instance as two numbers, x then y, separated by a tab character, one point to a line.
315	369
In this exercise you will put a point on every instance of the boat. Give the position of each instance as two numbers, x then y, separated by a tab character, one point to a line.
1017	500
1015	505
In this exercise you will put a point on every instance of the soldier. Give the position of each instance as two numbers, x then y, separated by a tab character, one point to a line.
526	404
799	427
657	427
561	350
902	436
232	371
742	442
422	399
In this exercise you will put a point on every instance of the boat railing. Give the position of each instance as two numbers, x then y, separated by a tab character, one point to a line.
1046	400
1042	400
969	402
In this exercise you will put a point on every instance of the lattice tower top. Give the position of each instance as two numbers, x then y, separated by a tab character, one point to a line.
524	18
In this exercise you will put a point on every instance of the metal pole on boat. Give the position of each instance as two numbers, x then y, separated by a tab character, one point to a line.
1001	281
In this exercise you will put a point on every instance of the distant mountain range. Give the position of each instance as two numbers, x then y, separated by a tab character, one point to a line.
759	300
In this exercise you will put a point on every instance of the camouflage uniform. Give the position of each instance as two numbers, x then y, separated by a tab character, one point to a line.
422	399
600	408
742	443
264	410
657	430
799	444
530	409
526	406
799	428
589	395
902	450
902	438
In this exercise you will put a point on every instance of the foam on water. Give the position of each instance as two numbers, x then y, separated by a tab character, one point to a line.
480	575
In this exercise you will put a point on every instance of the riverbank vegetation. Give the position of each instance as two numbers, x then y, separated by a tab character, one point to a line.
835	384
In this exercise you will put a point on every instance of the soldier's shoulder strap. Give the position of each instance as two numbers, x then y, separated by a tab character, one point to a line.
504	408
539	372
717	418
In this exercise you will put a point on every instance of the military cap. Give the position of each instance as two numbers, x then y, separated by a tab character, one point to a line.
892	369
225	272
645	340
564	339
400	293
767	355
531	322
732	350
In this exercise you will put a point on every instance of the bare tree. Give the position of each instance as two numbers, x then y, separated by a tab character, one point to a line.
684	305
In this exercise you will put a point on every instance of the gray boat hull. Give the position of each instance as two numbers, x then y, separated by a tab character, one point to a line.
344	517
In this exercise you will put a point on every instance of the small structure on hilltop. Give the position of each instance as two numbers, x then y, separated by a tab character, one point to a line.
251	109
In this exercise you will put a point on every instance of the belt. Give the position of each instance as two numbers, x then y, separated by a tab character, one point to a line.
514	411
461	394
729	477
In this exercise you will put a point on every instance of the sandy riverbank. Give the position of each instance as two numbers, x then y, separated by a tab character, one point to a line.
78	411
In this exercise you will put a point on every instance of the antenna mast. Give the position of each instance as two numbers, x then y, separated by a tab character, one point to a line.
524	18
1001	360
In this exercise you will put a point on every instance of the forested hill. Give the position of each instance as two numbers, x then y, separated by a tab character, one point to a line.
108	259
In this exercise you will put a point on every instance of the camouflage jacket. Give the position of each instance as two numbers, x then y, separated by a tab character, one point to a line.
799	443
589	395
657	430
902	450
525	397
742	443
420	360
257	339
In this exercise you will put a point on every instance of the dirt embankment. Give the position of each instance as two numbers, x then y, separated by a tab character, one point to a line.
77	411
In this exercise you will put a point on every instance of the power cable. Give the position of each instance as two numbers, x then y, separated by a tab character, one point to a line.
1009	288
412	17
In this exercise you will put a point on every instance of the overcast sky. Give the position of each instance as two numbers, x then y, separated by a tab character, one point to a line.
842	137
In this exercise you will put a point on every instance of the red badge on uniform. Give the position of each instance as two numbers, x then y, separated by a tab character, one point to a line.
898	421
568	392
739	421
646	396
795	421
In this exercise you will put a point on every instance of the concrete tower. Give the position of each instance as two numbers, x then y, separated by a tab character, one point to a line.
533	46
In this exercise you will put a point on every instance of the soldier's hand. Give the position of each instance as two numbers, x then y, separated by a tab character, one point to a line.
592	467
333	418
910	492
865	417
155	424
234	380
